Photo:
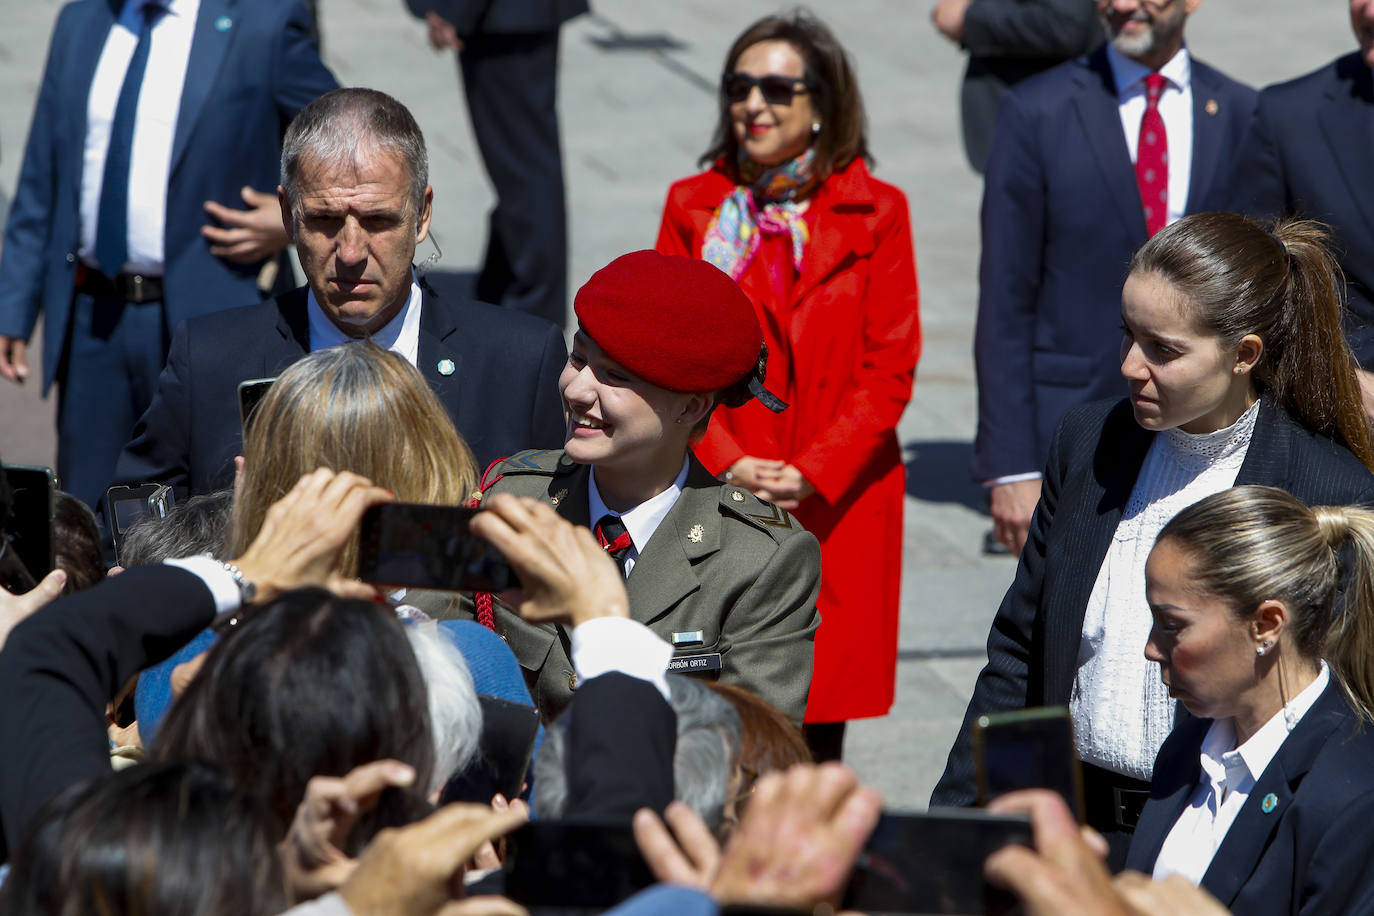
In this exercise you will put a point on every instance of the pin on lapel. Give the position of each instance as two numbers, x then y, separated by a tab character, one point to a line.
695	534
223	23
1211	107
1271	801
445	367
558	497
737	496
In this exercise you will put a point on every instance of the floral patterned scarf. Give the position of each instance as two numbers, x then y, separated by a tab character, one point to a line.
767	202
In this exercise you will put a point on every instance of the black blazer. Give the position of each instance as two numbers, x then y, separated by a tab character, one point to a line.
1061	219
1008	41
621	741
1311	852
502	392
62	665
1093	464
1307	153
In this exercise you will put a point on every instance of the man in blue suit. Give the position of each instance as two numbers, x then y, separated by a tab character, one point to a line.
155	119
1062	215
1307	155
355	195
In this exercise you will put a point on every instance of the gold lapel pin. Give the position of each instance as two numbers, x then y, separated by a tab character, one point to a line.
1211	107
696	534
737	496
558	497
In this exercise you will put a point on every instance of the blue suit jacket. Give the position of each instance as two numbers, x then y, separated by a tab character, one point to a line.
502	394
1061	218
1311	852
1307	154
253	65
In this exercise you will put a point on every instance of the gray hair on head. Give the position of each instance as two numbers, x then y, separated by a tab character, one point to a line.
708	742
337	126
454	712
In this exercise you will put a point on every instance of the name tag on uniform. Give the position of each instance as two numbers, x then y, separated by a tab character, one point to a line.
689	664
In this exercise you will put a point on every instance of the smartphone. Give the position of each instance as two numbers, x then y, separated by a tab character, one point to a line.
413	545
933	863
127	506
1028	749
506	743
28	531
557	864
251	392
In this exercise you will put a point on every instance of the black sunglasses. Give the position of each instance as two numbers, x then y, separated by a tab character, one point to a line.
776	89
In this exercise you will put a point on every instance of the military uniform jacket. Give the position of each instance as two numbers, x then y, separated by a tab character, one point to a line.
723	562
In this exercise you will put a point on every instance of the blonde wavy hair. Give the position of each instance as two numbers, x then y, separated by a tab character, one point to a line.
354	407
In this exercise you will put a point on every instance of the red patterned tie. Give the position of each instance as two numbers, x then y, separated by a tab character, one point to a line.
614	539
1152	159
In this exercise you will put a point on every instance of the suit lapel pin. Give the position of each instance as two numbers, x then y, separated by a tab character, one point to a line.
558	497
1211	107
445	367
1271	801
223	23
696	534
737	496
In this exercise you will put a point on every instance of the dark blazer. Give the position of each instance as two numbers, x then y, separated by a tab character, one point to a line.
621	740
1093	464
1061	218
62	666
1306	154
723	561
1008	41
502	394
253	66
1310	853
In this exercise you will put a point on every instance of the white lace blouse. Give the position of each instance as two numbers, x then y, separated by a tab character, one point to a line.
1121	710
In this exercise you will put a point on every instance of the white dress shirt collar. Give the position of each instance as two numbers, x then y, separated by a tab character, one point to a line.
400	335
1256	753
643	520
1129	75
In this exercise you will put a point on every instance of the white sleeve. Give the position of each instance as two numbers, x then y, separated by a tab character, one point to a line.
216	578
620	644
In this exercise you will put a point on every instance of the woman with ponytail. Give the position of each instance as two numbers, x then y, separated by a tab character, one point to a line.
1266	799
1238	374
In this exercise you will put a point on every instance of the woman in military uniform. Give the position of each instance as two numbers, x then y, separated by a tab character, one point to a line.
728	579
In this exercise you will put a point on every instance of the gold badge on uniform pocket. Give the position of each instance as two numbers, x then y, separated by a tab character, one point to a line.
696	534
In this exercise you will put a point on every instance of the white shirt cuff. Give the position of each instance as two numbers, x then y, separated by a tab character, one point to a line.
217	579
620	644
1013	478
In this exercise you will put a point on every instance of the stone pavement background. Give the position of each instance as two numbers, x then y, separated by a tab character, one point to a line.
637	103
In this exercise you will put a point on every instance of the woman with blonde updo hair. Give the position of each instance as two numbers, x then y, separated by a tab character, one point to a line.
1238	372
1266	799
354	407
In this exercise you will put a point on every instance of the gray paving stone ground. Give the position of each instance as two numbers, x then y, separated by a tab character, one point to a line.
637	107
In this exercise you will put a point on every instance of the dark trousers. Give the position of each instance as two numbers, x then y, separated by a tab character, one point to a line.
114	353
511	83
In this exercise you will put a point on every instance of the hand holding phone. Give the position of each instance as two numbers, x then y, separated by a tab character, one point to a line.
1028	749
27	553
413	545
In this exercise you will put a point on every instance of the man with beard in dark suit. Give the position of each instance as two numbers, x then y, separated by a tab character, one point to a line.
1307	155
355	199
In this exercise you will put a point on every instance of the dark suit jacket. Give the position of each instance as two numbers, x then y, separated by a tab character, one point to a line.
253	65
621	741
1307	154
1061	218
470	17
740	570
502	395
1008	41
62	666
1093	465
1311	852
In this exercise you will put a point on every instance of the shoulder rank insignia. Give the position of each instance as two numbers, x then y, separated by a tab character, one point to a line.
773	518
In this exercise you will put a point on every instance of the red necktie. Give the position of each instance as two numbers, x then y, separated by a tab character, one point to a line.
1152	159
614	539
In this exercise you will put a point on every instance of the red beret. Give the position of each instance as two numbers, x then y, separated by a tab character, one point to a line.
679	323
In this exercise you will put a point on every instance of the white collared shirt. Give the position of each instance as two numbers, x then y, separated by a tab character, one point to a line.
1229	774
159	102
643	520
400	335
1175	108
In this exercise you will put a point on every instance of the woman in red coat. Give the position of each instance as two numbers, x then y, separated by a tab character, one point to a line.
823	249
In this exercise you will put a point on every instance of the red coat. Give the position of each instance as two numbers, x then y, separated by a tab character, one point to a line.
842	352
